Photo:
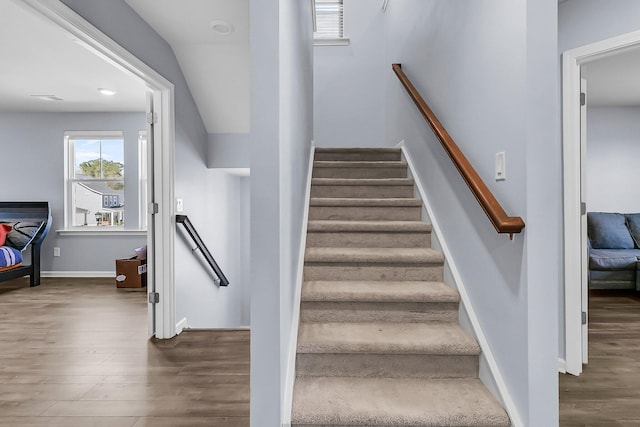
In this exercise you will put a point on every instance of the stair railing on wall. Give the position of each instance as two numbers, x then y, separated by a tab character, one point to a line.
184	220
496	214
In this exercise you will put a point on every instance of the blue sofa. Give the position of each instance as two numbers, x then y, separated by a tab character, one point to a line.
614	250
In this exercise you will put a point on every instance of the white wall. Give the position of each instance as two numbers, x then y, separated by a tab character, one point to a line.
33	147
194	183
349	105
582	22
281	133
488	69
613	150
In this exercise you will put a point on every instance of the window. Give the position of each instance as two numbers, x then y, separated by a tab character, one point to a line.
95	180
329	17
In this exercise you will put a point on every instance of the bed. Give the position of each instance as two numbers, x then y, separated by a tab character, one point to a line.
23	227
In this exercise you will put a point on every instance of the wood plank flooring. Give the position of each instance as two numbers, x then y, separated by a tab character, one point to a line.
608	391
74	352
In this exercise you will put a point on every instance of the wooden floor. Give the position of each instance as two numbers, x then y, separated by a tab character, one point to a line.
608	391
74	352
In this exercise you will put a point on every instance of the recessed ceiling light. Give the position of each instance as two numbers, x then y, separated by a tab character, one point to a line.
107	92
48	97
221	27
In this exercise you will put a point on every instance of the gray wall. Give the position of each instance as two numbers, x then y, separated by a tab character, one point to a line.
349	106
33	144
582	22
281	133
194	182
488	69
613	150
229	150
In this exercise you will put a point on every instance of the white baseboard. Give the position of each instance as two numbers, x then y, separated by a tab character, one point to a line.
180	325
73	274
562	365
510	407
287	401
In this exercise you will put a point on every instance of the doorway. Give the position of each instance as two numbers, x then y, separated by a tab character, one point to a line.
576	289
160	120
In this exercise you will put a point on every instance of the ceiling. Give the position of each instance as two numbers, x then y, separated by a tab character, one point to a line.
216	66
39	58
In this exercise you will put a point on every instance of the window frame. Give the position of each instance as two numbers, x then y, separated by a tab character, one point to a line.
340	40
70	180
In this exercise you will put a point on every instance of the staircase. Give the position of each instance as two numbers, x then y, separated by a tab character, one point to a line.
379	342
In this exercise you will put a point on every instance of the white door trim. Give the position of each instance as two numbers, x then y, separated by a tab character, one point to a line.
572	60
163	95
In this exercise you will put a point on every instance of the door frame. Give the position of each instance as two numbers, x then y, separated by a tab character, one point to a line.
572	61
162	260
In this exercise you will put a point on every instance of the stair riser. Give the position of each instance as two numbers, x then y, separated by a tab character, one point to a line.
367	173
337	311
387	365
431	273
378	156
365	213
362	191
370	240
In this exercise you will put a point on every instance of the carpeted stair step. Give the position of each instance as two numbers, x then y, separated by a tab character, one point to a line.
342	169
384	349
371	301
358	154
362	188
359	234
341	402
373	264
392	209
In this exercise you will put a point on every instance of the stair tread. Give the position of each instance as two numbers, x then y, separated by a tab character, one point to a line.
359	164
374	255
357	150
395	401
360	225
378	291
386	338
349	201
363	181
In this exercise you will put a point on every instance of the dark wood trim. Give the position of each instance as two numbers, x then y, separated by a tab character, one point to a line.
502	222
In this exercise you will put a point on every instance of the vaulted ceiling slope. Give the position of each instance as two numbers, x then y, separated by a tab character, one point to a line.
39	58
210	39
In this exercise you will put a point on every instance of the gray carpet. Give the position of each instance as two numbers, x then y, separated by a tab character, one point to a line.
379	342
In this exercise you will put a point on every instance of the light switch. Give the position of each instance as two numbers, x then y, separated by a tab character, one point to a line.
179	205
500	167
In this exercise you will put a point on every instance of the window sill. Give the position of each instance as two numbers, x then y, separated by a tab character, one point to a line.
331	42
100	232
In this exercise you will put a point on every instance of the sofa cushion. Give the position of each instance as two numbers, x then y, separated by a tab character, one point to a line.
613	259
633	223
22	233
608	231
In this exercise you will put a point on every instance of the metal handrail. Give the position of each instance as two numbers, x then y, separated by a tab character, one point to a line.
184	220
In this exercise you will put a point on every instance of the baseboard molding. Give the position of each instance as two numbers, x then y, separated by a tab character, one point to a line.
181	325
505	396
562	365
73	274
287	401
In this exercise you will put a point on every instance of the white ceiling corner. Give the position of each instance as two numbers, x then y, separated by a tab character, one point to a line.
215	66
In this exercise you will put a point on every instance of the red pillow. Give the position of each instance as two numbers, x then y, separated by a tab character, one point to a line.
4	230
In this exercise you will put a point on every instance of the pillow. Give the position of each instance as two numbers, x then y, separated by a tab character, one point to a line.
22	233
9	256
4	230
608	231
633	222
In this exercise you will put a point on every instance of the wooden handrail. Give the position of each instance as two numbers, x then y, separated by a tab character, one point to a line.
500	220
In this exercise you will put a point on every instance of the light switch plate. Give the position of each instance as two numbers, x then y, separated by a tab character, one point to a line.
179	205
500	167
